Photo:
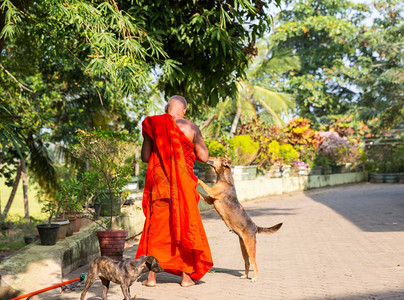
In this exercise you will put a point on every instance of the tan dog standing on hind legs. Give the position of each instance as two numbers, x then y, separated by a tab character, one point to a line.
224	198
121	272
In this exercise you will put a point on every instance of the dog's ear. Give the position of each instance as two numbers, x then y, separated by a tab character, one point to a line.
226	163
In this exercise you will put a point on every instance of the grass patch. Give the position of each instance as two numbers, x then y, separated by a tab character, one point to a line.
17	207
13	245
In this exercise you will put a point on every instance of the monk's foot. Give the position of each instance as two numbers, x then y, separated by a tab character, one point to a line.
149	283
187	281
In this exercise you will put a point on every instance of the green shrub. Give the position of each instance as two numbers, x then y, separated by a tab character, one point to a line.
283	154
288	154
243	150
215	148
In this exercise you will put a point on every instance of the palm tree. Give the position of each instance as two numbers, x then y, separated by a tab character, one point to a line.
254	94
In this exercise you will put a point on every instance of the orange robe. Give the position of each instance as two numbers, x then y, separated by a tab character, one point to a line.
173	231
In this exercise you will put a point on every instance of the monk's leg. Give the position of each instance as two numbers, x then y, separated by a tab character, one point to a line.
186	280
151	279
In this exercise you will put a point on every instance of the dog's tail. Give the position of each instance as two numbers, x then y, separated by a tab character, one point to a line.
269	230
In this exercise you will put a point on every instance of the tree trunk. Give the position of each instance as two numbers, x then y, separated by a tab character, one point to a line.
208	121
137	158
235	121
13	191
25	188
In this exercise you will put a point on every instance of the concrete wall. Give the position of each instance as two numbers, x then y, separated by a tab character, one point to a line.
261	186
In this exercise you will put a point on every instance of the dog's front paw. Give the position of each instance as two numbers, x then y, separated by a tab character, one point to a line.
253	279
243	276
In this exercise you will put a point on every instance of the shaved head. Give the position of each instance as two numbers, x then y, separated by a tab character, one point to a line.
176	102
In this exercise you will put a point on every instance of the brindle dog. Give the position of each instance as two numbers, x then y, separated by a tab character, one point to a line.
121	272
224	198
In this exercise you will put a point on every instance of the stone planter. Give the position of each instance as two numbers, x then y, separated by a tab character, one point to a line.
285	171
112	243
64	224
376	177
317	170
244	172
336	169
390	177
29	239
401	177
302	171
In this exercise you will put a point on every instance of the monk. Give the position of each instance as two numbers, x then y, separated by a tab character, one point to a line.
173	231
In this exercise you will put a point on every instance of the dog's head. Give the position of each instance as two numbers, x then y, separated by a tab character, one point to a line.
149	263
220	164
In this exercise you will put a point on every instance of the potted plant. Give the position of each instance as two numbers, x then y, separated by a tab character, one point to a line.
282	156
300	167
68	201
48	232
243	152
205	172
339	150
287	156
322	164
107	154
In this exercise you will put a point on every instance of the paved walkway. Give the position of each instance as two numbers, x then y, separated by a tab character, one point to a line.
344	242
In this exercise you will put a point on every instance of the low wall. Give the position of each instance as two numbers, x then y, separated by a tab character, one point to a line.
261	187
35	266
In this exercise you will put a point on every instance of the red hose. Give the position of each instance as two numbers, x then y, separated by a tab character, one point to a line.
47	289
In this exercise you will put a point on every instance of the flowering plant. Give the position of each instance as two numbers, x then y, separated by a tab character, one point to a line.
339	150
298	164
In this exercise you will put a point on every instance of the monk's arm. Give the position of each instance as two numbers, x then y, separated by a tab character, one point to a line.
147	147
202	153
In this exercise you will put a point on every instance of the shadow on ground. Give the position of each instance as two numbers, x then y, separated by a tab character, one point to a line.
372	208
212	214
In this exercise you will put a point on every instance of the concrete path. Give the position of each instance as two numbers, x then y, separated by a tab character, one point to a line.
344	242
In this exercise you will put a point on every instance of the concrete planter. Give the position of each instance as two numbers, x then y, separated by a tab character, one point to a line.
64	224
390	177
384	177
244	172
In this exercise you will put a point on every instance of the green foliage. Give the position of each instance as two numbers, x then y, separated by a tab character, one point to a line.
108	154
339	150
381	58
67	197
283	154
264	134
346	66
287	154
243	149
398	158
303	138
215	148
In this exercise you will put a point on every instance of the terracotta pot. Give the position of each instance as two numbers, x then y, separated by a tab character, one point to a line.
112	243
70	228
77	224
